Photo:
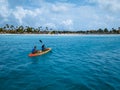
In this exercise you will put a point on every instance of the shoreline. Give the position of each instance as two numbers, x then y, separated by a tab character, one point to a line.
64	34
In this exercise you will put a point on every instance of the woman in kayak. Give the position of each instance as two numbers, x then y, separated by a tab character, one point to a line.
34	50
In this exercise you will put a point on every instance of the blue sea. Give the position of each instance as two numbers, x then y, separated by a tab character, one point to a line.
76	62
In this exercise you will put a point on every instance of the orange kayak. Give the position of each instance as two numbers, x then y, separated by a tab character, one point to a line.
40	52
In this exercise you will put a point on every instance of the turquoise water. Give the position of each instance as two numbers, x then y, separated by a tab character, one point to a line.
77	62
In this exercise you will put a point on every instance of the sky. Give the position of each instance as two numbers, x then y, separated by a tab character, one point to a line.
61	14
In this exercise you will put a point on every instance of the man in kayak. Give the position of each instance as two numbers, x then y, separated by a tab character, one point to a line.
34	50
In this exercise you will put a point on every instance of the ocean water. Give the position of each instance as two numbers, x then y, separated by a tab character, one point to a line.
76	62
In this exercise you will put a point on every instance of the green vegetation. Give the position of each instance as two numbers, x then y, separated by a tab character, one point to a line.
30	30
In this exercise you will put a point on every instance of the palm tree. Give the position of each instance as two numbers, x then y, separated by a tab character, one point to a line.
1	29
7	26
105	30
29	29
46	28
20	29
12	27
114	30
4	28
39	28
100	30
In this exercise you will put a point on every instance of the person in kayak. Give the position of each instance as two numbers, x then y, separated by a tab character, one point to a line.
34	50
43	45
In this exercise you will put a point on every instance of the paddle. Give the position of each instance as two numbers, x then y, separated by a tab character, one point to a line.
40	41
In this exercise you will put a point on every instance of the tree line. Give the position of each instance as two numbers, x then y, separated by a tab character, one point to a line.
40	30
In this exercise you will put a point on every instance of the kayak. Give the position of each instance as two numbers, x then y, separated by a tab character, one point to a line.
40	52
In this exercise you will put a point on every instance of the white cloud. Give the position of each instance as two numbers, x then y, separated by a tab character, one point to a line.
50	25
21	13
67	22
4	9
112	5
60	7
